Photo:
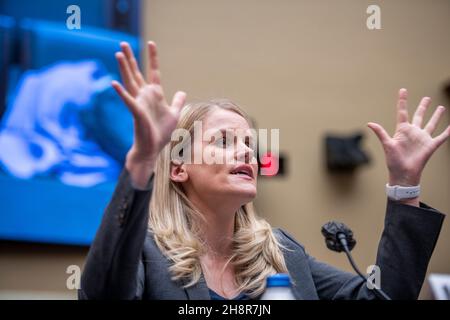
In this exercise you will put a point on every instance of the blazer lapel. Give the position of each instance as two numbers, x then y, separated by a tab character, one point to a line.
199	291
293	263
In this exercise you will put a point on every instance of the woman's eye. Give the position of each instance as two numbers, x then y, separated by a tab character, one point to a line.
222	142
250	144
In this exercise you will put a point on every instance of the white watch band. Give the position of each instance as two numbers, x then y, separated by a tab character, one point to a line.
400	193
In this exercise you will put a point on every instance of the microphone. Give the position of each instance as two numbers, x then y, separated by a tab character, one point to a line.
339	237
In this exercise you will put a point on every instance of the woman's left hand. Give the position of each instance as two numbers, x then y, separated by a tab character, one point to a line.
409	149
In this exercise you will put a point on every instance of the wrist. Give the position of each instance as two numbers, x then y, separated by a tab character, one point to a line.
403	194
411	202
140	169
136	158
404	180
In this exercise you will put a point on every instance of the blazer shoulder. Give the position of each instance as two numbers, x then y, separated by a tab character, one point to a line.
151	250
287	240
150	243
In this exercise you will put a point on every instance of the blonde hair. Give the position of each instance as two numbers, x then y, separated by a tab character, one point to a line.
174	222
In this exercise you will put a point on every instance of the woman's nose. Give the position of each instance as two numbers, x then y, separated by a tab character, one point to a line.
244	153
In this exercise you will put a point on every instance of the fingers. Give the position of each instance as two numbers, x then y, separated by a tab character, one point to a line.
420	112
153	75
440	139
432	124
126	97
402	106
382	135
132	63
126	74
178	101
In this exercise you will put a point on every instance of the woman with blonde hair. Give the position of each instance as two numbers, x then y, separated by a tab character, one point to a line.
177	229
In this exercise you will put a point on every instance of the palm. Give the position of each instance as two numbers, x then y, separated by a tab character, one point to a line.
411	146
154	119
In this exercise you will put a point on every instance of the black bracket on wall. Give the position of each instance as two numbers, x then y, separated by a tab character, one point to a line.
344	153
447	89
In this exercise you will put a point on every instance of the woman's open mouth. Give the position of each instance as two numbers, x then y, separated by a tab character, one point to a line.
244	171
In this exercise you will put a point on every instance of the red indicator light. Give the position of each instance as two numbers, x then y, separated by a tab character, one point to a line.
269	164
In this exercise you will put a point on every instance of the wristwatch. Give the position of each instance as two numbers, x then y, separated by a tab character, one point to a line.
400	192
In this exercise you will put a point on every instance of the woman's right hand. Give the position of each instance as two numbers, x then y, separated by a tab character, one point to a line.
154	119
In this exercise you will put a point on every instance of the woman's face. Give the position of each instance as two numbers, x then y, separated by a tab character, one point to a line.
229	169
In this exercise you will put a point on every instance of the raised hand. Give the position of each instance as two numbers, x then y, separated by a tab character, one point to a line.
412	145
154	119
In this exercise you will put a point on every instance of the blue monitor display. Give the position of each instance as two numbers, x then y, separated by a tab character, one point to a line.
64	132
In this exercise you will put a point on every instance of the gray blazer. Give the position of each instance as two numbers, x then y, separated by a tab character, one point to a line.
125	263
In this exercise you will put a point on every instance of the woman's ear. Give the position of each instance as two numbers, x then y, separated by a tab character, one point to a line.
178	172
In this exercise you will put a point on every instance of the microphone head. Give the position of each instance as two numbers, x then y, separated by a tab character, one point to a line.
330	231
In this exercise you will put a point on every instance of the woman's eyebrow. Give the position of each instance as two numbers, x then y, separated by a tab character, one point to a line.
231	133
219	132
225	131
234	130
